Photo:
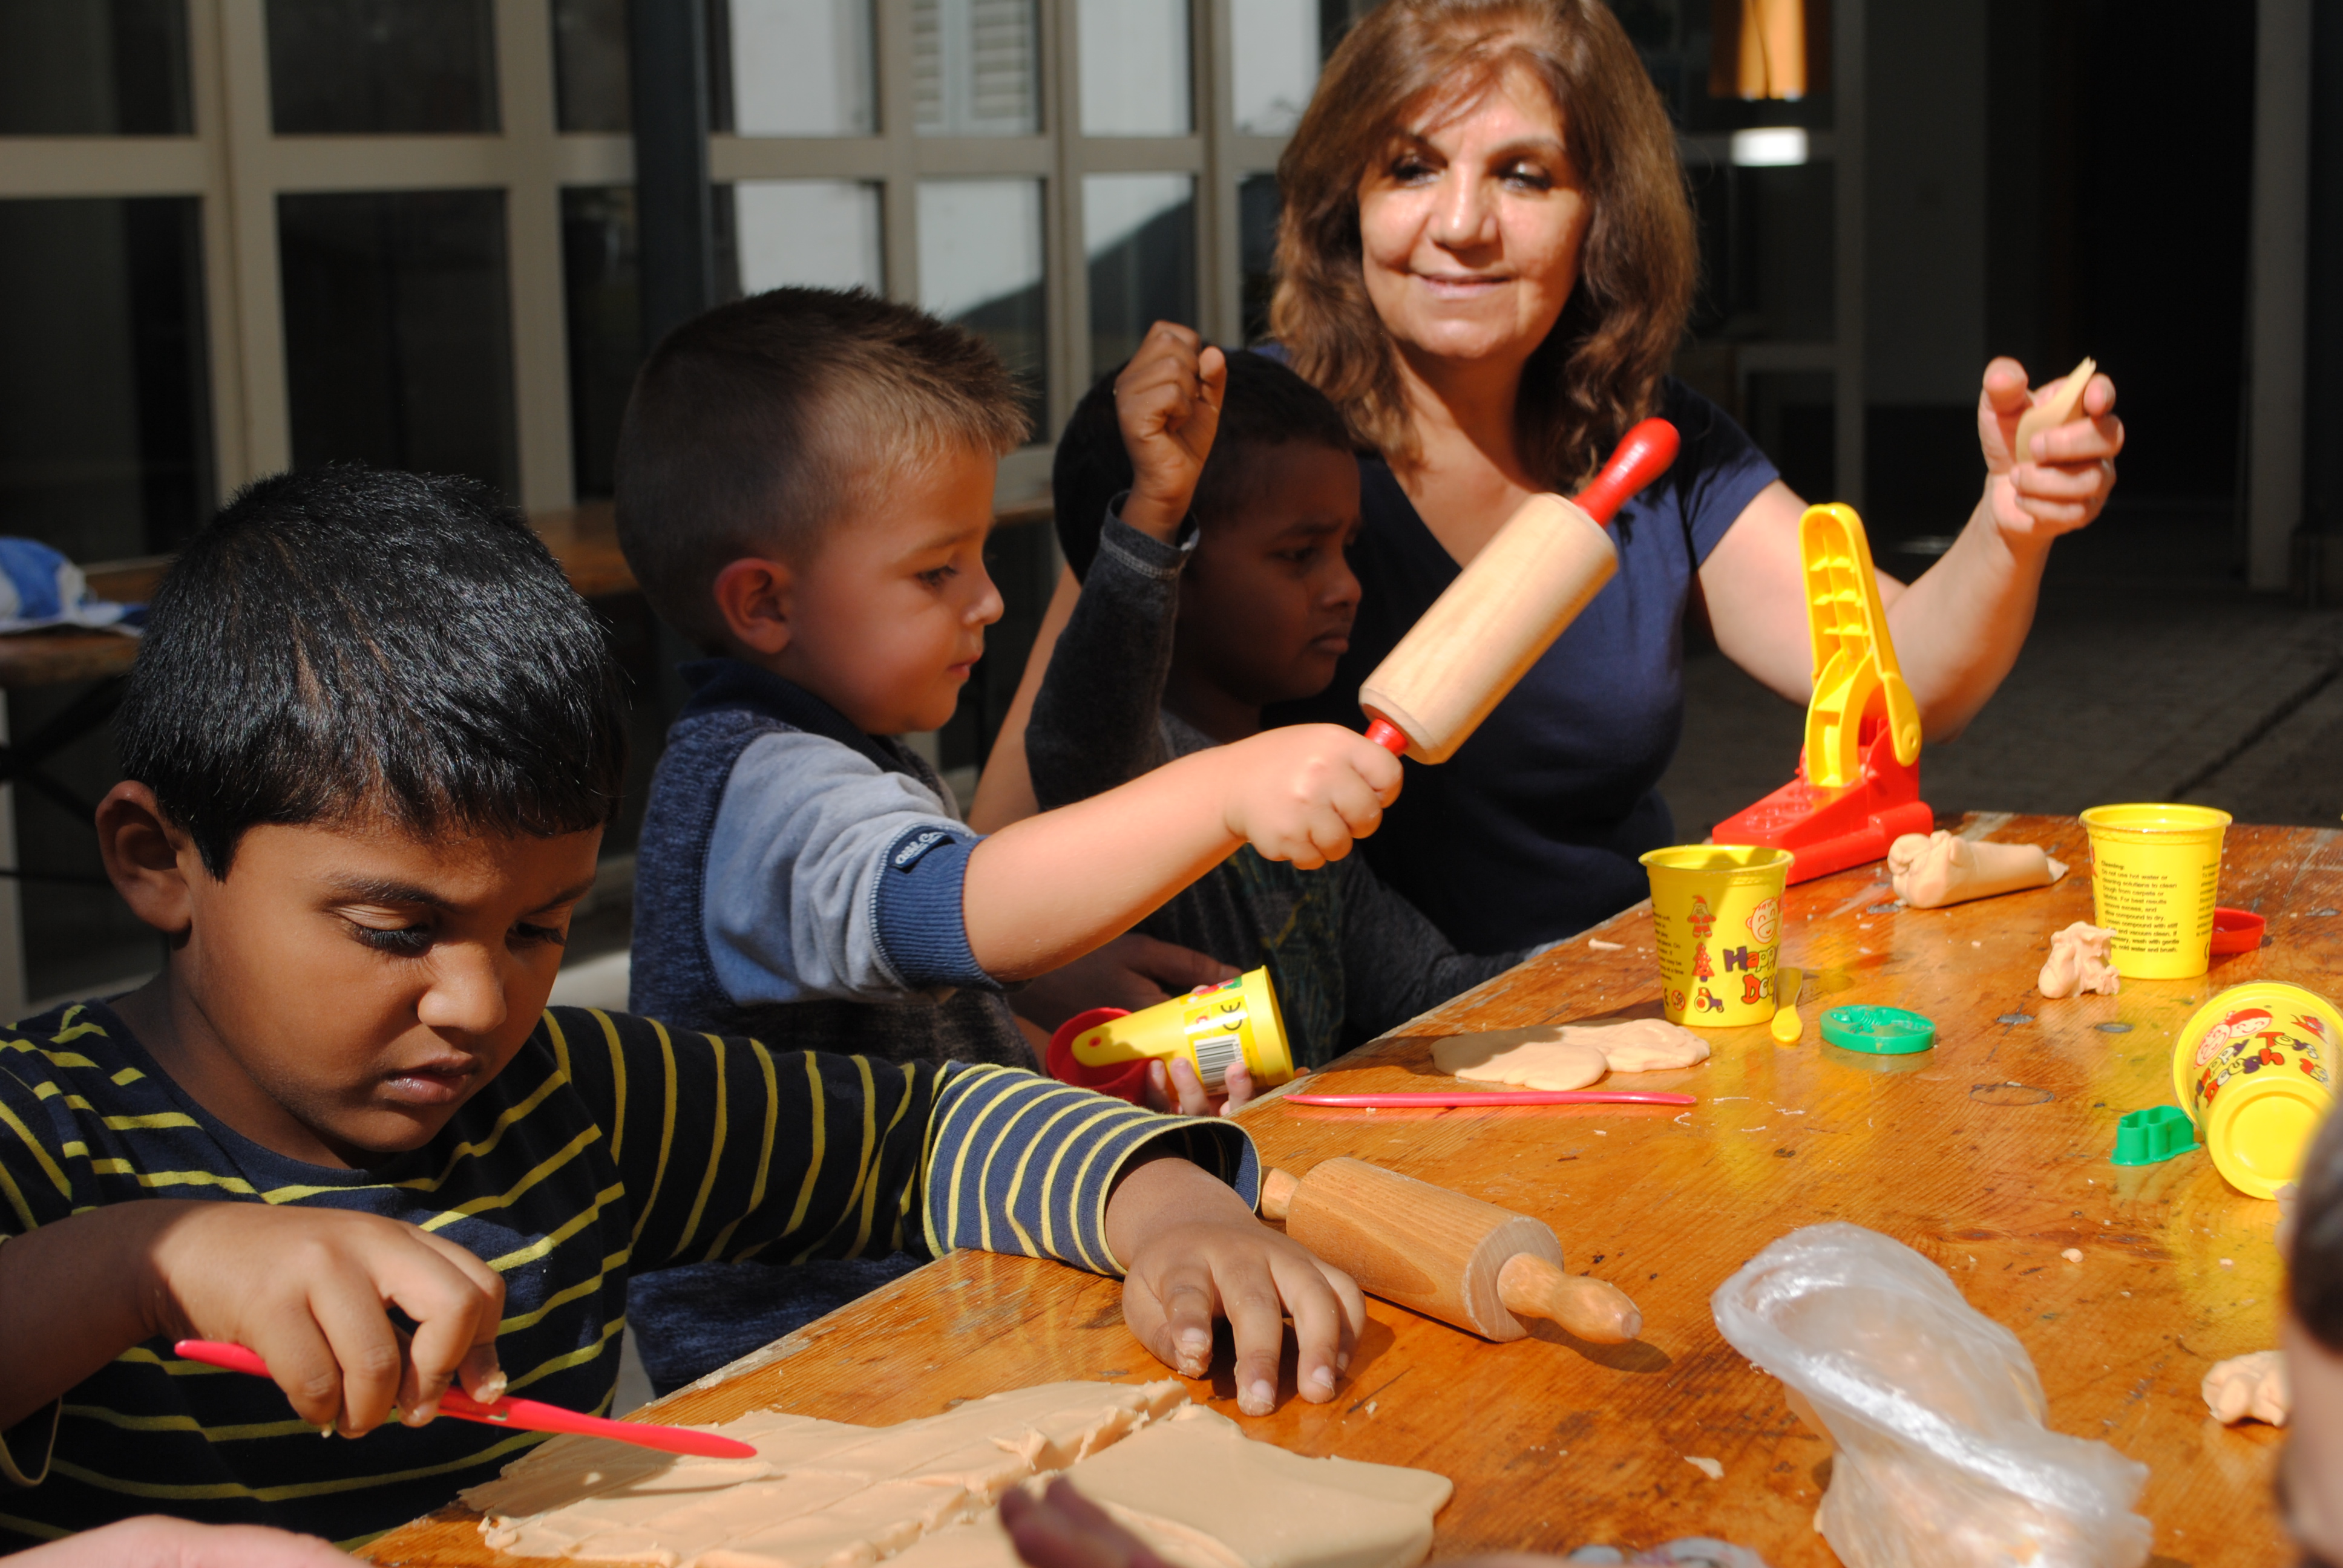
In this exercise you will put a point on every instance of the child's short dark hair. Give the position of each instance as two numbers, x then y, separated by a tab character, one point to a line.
1266	405
2314	1272
757	425
348	640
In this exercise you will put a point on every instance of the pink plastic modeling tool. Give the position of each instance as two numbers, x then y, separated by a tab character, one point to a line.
1439	1098
525	1414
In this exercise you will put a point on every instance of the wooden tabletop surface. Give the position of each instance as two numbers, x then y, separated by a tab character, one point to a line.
583	538
1988	1154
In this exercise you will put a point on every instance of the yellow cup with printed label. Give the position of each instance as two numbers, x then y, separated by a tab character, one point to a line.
2255	1068
1716	923
2156	872
1212	1027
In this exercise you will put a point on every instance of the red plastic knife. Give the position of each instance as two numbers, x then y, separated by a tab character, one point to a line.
527	1415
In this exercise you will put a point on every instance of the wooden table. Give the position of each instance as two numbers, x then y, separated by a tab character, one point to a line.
1990	1154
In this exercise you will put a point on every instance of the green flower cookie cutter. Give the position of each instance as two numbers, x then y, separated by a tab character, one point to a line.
1878	1030
2153	1135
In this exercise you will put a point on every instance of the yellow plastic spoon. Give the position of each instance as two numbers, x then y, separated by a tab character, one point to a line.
1787	1025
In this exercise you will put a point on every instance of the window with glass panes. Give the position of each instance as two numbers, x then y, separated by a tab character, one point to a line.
237	235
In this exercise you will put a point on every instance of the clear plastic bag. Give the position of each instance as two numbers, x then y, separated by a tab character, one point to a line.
1933	1411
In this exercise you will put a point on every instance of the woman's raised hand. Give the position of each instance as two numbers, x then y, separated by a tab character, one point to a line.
2062	483
1168	403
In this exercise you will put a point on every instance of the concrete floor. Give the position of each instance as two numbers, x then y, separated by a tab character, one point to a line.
2151	675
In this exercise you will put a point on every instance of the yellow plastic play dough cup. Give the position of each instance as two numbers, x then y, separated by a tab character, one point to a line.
2255	1068
2156	871
1716	922
1235	1021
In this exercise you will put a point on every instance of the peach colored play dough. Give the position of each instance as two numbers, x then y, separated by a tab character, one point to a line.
1933	869
826	1494
2078	963
1567	1056
2248	1387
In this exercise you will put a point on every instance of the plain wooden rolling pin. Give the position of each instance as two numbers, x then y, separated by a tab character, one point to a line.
1441	1253
1505	609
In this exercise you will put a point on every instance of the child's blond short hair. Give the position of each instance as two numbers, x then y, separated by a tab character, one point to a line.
756	428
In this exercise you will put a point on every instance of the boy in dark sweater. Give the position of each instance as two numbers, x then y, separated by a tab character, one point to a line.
1205	501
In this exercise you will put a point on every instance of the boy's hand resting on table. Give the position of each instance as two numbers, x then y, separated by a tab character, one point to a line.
1191	1251
1304	792
1168	403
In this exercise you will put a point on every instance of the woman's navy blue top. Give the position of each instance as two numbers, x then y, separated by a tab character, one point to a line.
1530	832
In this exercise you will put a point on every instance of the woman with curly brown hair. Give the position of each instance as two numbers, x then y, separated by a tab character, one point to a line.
1486	259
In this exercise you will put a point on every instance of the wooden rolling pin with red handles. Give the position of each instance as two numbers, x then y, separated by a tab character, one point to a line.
1505	609
1442	1254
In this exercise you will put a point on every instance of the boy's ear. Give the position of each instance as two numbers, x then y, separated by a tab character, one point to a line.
147	855
756	597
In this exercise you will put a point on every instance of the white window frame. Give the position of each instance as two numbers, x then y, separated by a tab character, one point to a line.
239	166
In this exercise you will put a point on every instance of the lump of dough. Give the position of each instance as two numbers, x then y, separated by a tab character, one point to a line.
1545	1057
1933	869
2249	1387
2078	963
1642	1044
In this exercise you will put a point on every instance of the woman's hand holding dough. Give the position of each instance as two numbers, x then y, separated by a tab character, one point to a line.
2063	483
1193	1251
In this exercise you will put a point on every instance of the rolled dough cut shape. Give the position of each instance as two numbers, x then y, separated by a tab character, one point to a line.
2249	1387
1542	1057
2078	963
1643	1044
2053	411
1556	1056
818	1492
1442	1254
1931	870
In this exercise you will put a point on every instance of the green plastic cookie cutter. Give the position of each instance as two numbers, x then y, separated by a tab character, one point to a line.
2153	1135
1878	1030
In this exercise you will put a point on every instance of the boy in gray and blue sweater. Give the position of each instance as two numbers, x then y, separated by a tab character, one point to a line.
805	486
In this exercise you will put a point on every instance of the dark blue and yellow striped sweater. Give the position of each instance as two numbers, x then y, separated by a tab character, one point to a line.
610	1143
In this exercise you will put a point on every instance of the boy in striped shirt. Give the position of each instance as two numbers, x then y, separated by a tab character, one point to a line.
372	741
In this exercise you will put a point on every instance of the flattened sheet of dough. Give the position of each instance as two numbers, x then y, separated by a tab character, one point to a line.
1570	1055
818	1491
1643	1044
1540	1057
1206	1496
825	1494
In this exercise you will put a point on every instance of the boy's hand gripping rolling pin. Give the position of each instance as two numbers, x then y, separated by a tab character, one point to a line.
1528	583
1442	1254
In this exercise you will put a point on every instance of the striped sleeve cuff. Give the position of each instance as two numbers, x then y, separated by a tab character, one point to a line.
1019	1163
